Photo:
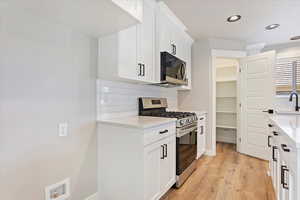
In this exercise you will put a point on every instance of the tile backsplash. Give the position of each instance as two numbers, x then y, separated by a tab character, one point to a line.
118	99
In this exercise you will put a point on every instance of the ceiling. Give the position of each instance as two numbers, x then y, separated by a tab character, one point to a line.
207	18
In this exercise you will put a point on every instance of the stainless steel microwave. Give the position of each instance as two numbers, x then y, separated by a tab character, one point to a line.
173	70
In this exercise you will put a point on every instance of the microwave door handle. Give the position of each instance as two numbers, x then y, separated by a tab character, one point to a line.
174	46
181	72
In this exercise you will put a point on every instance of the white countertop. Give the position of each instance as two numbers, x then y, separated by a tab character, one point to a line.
290	124
141	122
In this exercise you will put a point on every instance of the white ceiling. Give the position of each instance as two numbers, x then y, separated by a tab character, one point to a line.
207	18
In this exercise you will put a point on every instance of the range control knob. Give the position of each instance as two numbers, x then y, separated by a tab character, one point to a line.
181	122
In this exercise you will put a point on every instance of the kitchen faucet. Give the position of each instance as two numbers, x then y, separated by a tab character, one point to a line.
294	85
291	99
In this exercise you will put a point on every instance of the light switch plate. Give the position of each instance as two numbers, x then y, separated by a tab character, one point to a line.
58	191
63	129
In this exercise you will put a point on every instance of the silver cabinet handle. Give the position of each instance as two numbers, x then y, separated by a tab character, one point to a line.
144	72
269	143
283	170
284	148
163	152
201	130
173	49
140	69
163	132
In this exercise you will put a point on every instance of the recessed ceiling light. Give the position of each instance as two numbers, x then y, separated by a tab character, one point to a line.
272	26
295	37
234	18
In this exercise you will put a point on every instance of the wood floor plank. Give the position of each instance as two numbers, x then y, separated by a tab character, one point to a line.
227	176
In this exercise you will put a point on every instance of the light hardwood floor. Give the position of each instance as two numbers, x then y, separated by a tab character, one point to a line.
227	176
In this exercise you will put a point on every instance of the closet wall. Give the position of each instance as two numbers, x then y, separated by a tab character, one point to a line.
226	100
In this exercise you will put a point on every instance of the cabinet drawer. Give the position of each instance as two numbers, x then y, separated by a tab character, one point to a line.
287	150
158	133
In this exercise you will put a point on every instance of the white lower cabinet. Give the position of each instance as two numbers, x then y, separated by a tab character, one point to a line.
160	168
201	135
138	163
153	155
283	165
168	165
287	183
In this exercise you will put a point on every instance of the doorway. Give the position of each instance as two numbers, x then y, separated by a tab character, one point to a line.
227	100
249	87
225	79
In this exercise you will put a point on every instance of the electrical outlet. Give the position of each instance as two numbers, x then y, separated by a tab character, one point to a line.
63	129
58	191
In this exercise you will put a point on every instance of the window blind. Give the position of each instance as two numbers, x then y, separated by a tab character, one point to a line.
283	70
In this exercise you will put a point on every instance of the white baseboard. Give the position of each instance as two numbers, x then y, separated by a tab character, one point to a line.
231	140
92	197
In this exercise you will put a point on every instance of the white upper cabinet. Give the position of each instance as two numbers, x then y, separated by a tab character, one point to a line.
126	62
133	54
164	27
146	42
129	55
172	38
92	17
178	42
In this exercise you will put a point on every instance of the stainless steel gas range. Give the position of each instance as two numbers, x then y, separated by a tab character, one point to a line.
186	134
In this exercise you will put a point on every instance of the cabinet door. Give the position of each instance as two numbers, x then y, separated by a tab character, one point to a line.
187	57
146	41
201	137
163	31
282	190
127	47
275	165
180	42
277	171
292	184
287	183
152	166
189	65
168	164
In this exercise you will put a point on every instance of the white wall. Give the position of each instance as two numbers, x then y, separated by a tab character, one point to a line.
47	76
119	99
199	98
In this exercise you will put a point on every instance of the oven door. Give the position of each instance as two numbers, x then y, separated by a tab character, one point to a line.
186	150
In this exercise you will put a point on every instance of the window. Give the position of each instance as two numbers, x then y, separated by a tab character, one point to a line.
284	69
